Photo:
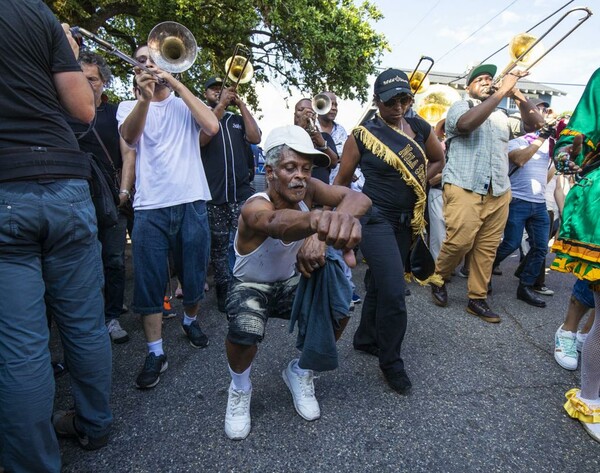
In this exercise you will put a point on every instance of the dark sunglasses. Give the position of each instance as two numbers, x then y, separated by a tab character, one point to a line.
403	100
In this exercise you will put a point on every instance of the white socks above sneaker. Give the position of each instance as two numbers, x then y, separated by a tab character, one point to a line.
188	320
241	381
156	347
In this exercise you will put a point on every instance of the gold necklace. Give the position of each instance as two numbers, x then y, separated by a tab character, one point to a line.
393	127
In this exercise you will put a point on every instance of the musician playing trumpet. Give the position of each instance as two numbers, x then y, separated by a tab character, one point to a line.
169	203
305	117
229	164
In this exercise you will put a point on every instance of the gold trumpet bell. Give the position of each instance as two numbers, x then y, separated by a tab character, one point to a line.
172	47
521	43
240	69
417	78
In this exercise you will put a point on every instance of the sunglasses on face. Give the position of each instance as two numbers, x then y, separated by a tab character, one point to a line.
403	100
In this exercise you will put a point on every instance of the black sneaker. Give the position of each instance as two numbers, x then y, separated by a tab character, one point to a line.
481	309
195	335
150	374
64	425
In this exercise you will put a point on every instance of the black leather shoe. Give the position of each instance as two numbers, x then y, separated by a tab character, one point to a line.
398	381
440	295
496	271
527	294
479	308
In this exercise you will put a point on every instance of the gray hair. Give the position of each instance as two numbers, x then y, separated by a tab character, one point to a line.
274	155
93	59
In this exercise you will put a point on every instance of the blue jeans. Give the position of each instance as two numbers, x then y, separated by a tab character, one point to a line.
182	229
533	217
113	240
49	261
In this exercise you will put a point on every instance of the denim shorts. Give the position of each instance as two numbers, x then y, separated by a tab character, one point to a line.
251	304
583	293
181	229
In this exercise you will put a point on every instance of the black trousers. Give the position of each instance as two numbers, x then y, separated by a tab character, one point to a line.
385	245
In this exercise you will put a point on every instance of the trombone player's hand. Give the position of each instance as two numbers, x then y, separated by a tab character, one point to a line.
229	97
507	85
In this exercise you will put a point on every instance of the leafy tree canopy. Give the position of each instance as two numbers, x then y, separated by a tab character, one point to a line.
312	45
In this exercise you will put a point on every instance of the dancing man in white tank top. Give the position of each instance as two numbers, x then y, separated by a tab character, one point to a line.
273	226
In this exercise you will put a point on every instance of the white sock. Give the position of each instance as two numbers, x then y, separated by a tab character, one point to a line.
299	371
241	381
156	347
187	320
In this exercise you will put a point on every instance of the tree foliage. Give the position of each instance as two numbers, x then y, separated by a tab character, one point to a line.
311	45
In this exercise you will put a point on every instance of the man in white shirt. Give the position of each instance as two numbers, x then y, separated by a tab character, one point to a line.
169	204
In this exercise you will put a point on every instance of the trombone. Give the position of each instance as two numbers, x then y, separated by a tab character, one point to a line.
418	80
522	46
171	45
238	68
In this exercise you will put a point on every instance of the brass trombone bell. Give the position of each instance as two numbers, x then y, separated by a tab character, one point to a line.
172	47
419	82
321	104
240	69
525	48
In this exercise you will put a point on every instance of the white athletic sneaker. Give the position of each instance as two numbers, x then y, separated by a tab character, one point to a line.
580	340
237	416
303	392
116	332
565	352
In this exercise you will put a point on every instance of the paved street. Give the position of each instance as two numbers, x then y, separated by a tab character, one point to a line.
485	398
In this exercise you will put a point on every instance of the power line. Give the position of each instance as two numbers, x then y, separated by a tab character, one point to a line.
417	24
478	29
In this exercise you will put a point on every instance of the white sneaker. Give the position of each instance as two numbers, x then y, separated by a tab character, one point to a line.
565	352
116	332
237	416
303	392
580	340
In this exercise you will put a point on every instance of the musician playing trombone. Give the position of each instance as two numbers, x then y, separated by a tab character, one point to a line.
476	178
169	204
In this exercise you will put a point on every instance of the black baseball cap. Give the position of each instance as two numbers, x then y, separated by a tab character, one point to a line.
390	83
213	81
539	101
480	70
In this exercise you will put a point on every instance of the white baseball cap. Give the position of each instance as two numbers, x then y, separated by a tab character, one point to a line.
297	139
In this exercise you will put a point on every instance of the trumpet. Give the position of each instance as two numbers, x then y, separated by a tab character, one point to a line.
418	80
238	68
321	104
172	47
526	50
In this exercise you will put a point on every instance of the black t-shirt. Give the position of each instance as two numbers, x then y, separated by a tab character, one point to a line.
108	128
383	184
321	173
33	46
228	161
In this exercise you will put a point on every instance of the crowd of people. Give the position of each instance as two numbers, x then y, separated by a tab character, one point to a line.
184	167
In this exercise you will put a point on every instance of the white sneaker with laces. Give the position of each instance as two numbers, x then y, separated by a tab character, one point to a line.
580	340
543	290
303	392
116	332
237	416
565	352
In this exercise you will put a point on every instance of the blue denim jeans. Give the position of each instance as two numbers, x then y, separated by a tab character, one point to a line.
49	262
182	229
533	217
113	240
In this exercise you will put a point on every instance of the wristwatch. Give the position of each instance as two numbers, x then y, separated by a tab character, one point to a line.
125	192
322	148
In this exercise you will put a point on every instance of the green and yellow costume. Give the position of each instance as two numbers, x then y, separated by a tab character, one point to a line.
578	245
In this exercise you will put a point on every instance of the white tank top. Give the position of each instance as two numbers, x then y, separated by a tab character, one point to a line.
272	261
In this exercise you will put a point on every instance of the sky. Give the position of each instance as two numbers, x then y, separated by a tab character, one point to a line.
459	33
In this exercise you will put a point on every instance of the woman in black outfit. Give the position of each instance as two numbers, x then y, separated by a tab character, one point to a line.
396	155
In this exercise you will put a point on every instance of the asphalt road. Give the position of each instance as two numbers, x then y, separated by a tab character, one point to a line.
485	397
